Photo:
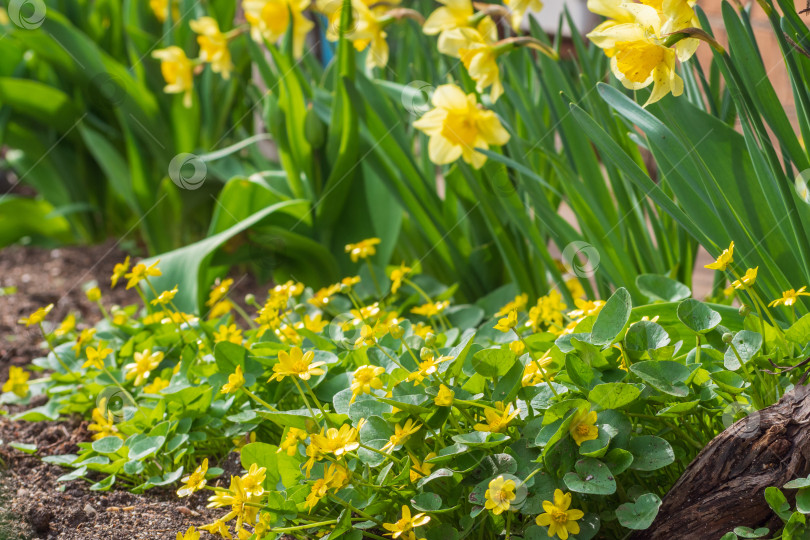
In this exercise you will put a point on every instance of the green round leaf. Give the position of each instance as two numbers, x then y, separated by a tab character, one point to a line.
639	515
747	343
650	453
592	477
427	502
645	336
657	287
665	375
613	395
697	316
108	445
145	447
612	318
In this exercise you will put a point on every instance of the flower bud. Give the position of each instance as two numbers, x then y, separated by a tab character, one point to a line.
430	339
426	354
745	309
396	331
727	337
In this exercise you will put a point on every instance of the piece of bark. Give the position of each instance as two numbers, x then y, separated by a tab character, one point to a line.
724	486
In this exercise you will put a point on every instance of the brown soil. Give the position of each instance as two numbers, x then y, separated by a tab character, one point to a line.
33	505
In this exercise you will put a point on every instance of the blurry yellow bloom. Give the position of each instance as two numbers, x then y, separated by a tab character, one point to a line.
558	518
288	334
517	304
583	427
365	378
176	69
143	365
430	309
427	367
213	45
17	382
747	280
120	317
453	15
586	308
165	297
269	20
789	297
160	8
517	347
533	374
351	281
369	30
457	126
191	534
194	481
291	440
296	364
362	249
140	272
445	397
500	495
422	330
519	8
218	291
235	381
220	308
231	333
85	337
575	288
96	356
397	275
406	523
479	58
497	419
401	433
36	317
218	528
547	312
67	326
725	258
420	470
118	272
314	324
324	295
93	294
103	424
507	323
156	385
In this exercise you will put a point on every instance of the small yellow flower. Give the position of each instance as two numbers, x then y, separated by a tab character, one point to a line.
499	495
406	523
558	518
583	427
156	386
218	291
789	297
420	470
36	317
191	534
445	397
93	294
177	72
518	304
296	364
365	378
428	366
397	275
194	481
401	433
497	419
291	440
17	382
269	19
586	308
725	258
235	381
213	45
85	337
143	365
315	324
96	356
457	126
220	308
747	280
508	322
336	441
218	528
103	424
430	309
118	272
67	326
517	347
140	272
230	333
533	374
160	8
165	297
253	480
362	249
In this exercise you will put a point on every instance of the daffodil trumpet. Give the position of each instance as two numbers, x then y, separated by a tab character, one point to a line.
694	33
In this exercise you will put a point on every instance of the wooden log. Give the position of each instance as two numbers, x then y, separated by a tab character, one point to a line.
724	486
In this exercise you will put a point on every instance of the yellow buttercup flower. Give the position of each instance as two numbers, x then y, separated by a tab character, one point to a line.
218	527
194	481
725	258
535	371
517	347
176	69
500	494
213	45
457	126
558	518
17	382
85	337
518	304
118	272
96	356
789	297
140	272
156	385
165	297
93	294
314	324
67	326
291	440
507	323
362	249
583	427
296	363
143	365
430	309
365	378
103	424
747	280
231	333
445	396
236	497
406	523
36	317
427	367
586	308
420	470
253	480
336	441
269	20
397	275
548	312
191	534
401	433
519	8
497	419
218	291
235	381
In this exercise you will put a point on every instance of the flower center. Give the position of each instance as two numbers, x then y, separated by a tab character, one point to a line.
582	429
559	516
637	59
460	129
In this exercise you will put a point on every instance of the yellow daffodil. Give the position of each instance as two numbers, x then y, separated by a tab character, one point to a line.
176	69
401	433
445	396
431	309
191	534
140	272
457	126
500	495
558	518
789	297
17	382
497	419
160	8
213	45
67	326
362	249
194	481
517	347
165	297
93	294
156	386
536	371
269	20
96	356
519	8
235	381
365	378
143	365
118	272
291	440
747	280
455	14
725	258
36	317
368	33
406	523
230	333
420	470
583	427
507	323
103	424
296	363
479	57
